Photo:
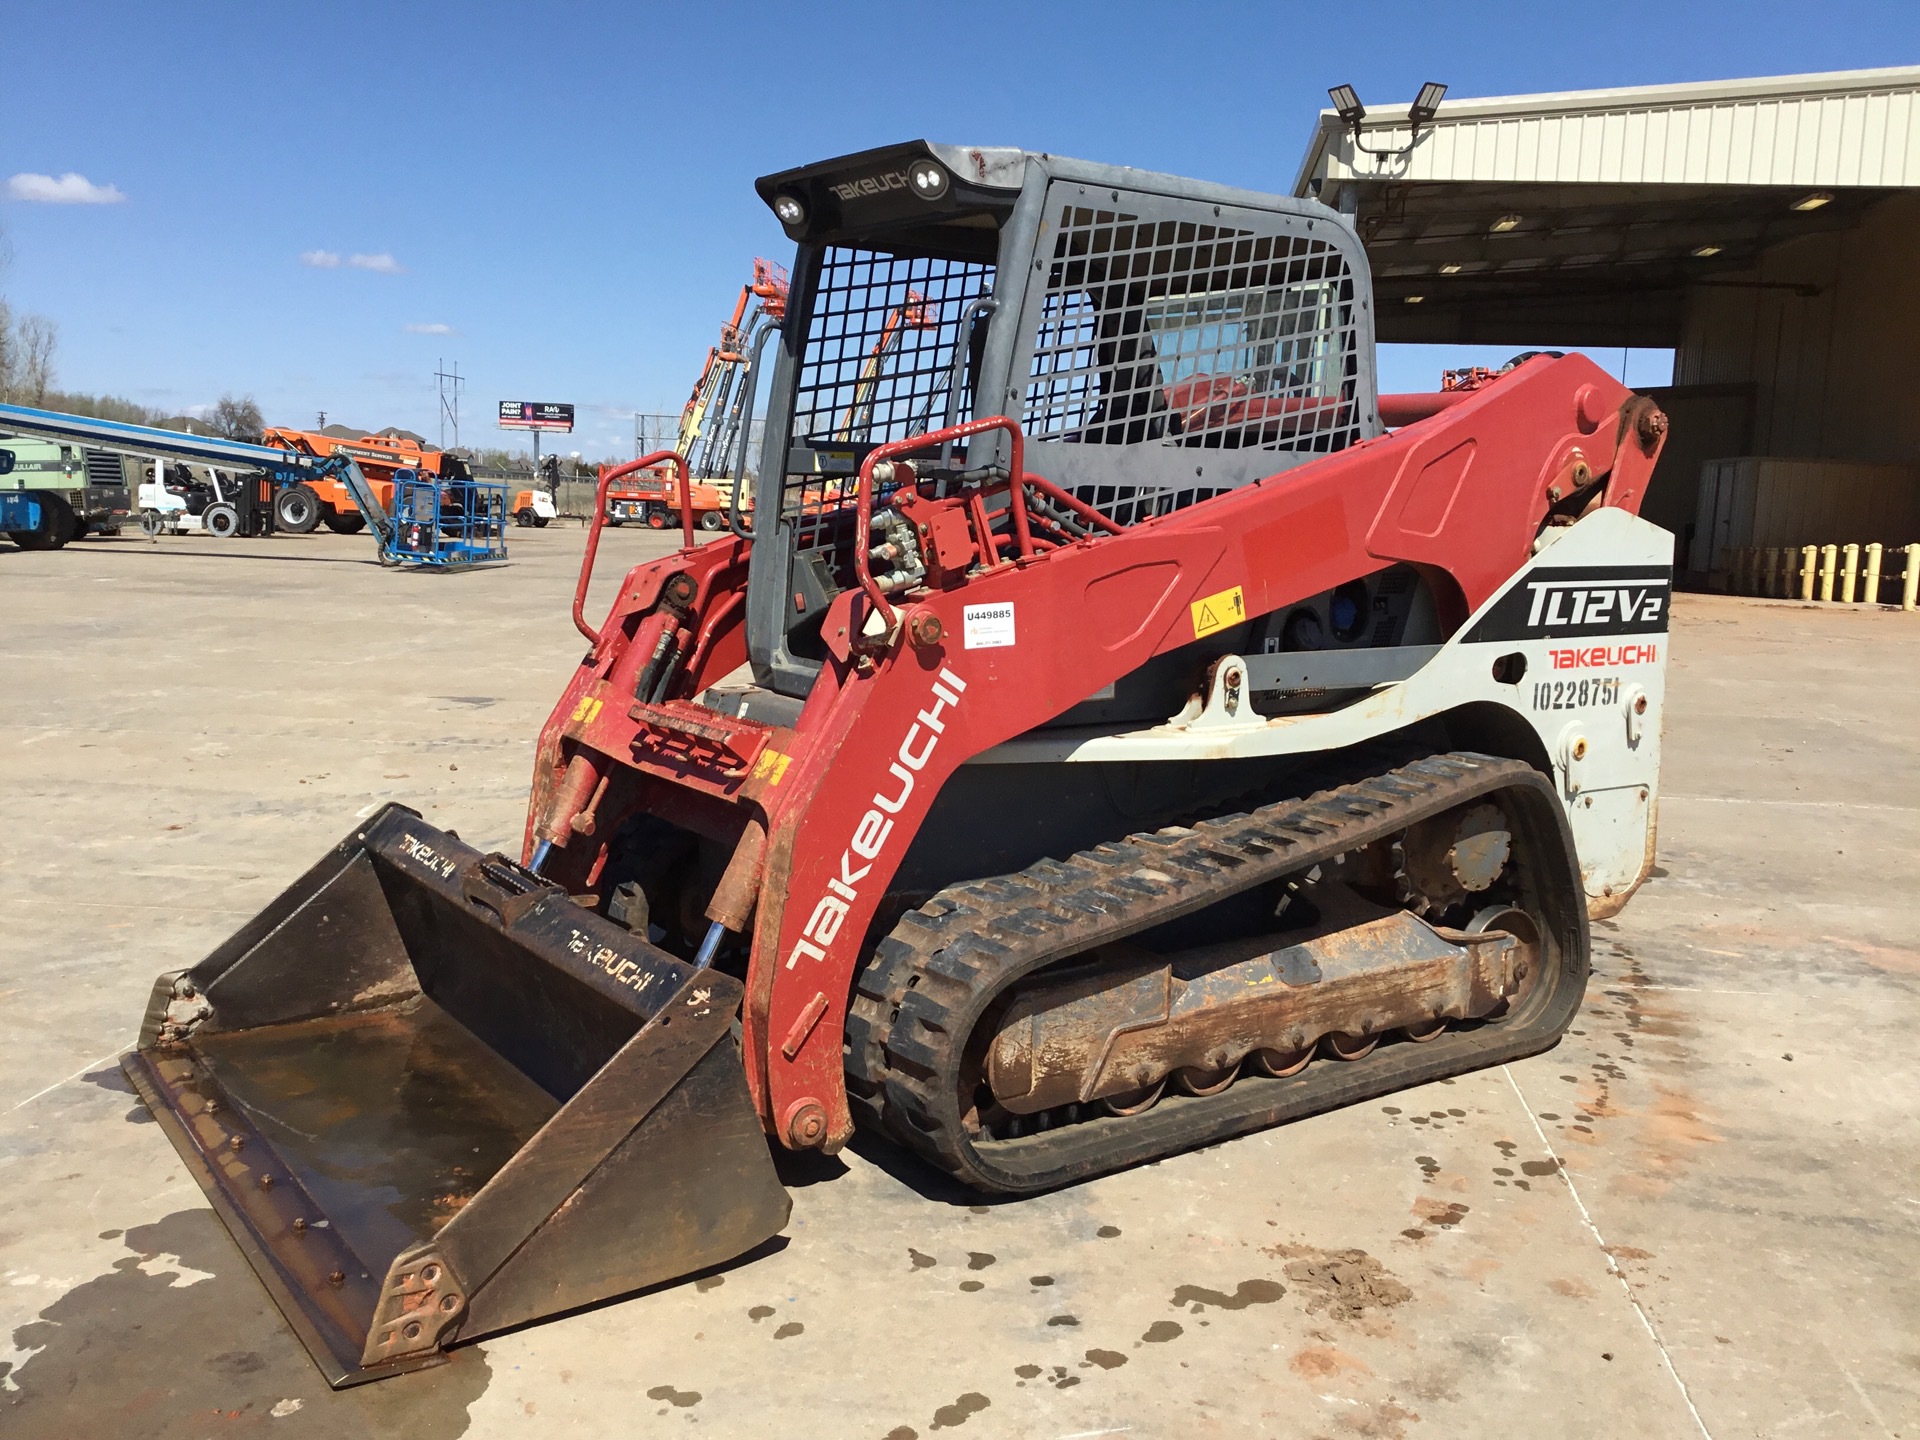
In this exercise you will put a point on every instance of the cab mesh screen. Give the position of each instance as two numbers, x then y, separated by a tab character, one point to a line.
1177	333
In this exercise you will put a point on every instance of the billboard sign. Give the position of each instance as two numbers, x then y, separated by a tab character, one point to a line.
535	415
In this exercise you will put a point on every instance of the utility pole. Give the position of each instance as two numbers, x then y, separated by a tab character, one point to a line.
450	384
323	421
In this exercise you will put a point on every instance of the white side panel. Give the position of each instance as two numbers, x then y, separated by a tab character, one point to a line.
1579	638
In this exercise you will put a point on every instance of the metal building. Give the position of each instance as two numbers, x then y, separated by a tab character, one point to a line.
1764	230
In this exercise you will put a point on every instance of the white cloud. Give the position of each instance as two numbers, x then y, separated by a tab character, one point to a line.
381	264
69	189
436	328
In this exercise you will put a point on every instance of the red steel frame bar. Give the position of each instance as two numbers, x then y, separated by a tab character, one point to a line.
620	472
863	498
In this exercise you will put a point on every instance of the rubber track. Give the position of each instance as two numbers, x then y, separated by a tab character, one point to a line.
935	975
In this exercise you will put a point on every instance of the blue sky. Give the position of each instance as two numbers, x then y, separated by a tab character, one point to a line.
567	189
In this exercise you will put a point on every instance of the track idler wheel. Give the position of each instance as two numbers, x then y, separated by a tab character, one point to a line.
1281	1063
1136	1102
1348	1047
1197	1080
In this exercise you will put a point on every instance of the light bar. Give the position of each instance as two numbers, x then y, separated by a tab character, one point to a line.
1703	251
1504	224
1427	103
1346	104
1811	202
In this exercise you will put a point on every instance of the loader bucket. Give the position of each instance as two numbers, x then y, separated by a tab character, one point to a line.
433	1098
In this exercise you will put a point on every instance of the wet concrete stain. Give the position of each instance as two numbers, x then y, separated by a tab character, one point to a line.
1323	1362
681	1399
1539	1168
1108	1232
1429	1167
1248	1292
1341	1284
709	1282
969	1286
978	1260
902	1432
1107	1359
1040	1281
1027	1372
791	1328
759	1313
1441	1215
921	1262
1063	1320
1161	1331
166	1351
951	1417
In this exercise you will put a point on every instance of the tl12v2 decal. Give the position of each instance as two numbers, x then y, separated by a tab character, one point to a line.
1549	602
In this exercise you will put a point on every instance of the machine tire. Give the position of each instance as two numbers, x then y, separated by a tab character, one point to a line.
656	518
221	520
346	524
296	509
540	522
56	525
616	521
523	517
712	520
151	524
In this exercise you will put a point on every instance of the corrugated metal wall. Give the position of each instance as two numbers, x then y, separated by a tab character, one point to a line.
1835	373
1767	501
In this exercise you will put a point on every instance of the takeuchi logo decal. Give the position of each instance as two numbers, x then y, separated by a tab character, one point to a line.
1569	601
875	828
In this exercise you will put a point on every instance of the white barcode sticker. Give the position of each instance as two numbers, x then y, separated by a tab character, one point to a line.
987	627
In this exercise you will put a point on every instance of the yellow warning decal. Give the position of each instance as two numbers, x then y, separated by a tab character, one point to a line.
587	710
771	766
1216	612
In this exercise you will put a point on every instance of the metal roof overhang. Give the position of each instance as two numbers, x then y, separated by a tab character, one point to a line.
1615	203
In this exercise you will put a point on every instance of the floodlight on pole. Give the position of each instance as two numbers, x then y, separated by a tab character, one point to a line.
1346	104
1426	104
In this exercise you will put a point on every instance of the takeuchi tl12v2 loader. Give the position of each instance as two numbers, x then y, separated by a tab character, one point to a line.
1133	731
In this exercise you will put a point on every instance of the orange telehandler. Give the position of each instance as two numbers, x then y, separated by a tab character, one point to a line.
305	507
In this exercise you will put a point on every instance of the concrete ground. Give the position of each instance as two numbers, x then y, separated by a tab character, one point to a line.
1700	1215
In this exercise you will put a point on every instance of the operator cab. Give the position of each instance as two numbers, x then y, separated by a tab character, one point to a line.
1160	340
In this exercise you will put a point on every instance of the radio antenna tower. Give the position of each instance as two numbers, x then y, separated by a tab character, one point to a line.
450	383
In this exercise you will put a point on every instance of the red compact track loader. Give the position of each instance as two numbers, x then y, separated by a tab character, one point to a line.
1116	728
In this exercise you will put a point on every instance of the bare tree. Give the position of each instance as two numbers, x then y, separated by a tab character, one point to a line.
237	417
36	338
9	358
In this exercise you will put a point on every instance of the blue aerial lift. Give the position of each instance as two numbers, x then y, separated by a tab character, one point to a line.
439	522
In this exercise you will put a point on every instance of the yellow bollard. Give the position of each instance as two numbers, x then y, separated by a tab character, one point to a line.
1871	593
1849	573
1910	579
1807	570
1829	567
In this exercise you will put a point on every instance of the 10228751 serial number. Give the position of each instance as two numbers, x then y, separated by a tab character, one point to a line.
1576	694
